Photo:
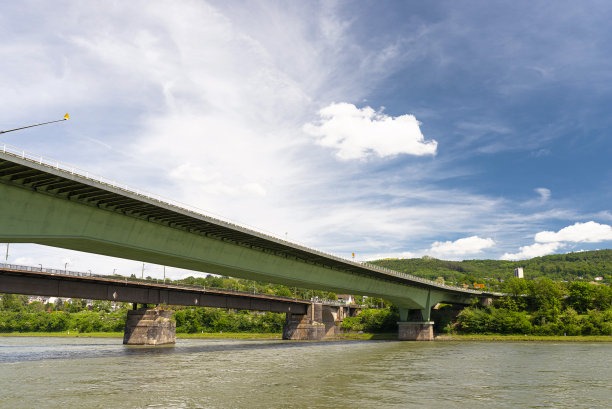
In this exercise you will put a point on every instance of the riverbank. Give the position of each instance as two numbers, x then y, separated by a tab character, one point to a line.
340	337
74	334
525	338
221	335
64	334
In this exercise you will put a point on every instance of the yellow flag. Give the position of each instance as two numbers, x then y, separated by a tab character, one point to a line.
66	116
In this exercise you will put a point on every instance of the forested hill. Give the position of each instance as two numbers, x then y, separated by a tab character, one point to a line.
584	265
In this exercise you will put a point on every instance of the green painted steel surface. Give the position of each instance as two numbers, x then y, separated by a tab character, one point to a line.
31	216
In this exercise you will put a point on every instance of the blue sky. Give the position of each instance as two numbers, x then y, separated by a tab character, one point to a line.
390	129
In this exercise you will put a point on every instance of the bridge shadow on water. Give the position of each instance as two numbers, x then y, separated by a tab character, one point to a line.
38	351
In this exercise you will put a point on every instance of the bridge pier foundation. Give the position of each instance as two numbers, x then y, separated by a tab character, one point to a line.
415	331
486	301
149	326
307	326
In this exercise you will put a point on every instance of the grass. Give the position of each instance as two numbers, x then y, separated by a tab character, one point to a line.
72	334
240	335
76	334
350	336
232	335
537	338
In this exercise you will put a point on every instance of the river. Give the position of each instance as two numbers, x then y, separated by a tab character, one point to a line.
51	372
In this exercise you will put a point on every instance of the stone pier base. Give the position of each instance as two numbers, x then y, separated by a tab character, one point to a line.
305	327
415	331
149	326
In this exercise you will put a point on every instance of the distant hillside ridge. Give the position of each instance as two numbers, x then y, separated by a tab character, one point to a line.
584	265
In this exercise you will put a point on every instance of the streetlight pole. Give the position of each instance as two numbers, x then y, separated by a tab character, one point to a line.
65	118
142	274
6	258
66	267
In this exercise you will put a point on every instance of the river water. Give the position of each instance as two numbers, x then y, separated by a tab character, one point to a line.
103	373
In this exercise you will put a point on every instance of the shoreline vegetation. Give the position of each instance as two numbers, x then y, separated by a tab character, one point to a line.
563	297
349	336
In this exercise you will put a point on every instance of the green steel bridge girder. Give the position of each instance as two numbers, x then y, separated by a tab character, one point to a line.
27	216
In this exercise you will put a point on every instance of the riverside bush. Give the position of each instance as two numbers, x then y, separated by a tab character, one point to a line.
372	320
57	321
204	319
490	320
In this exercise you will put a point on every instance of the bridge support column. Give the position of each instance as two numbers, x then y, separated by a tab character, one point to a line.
415	325
415	331
307	326
486	301
149	326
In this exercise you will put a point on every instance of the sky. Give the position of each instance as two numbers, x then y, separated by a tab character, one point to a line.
457	130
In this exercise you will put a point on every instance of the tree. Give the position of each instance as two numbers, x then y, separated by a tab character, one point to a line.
284	292
581	296
602	297
59	304
516	286
546	293
13	302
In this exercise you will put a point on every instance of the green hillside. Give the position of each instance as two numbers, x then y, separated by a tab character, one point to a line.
585	265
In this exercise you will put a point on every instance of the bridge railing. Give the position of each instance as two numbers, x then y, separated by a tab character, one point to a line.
135	280
45	270
73	170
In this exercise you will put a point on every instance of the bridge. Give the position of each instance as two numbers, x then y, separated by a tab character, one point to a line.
54	204
17	279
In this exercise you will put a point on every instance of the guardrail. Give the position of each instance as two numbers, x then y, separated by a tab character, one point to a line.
58	165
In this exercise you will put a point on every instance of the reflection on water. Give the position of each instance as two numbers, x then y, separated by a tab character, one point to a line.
89	372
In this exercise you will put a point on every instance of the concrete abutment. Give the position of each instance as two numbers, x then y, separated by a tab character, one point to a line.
415	331
307	326
319	322
149	326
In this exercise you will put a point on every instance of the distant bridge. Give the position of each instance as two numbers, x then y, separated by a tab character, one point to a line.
18	279
28	280
50	203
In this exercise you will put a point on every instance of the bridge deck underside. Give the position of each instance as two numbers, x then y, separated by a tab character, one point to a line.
45	206
106	198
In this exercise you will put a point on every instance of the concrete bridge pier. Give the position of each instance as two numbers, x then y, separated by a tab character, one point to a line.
149	326
415	325
307	326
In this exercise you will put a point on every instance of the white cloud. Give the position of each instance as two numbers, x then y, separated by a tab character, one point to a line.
589	232
547	242
24	261
213	182
544	194
460	247
535	250
34	255
448	250
358	133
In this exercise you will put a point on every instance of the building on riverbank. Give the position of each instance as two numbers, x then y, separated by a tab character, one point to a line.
518	272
